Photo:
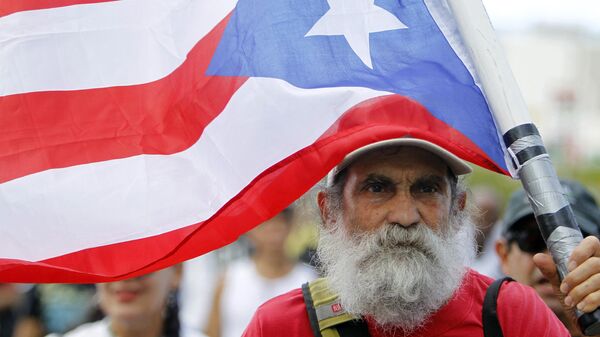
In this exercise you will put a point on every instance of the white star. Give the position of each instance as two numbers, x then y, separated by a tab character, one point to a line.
355	20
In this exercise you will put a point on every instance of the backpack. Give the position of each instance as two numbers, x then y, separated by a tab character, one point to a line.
329	319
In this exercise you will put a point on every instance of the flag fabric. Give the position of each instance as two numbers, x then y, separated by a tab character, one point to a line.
138	134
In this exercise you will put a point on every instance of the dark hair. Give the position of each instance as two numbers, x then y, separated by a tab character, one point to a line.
288	213
171	323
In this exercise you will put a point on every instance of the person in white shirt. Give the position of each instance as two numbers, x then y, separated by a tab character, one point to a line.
249	282
144	306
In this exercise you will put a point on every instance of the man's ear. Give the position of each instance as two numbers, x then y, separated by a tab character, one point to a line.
502	251
323	207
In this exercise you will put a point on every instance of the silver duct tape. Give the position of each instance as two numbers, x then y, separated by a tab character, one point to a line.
523	145
543	187
525	142
561	243
518	166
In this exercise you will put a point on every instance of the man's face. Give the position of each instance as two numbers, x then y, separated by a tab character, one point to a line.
390	245
402	185
517	261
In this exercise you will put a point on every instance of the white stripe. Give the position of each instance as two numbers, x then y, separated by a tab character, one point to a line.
101	45
65	210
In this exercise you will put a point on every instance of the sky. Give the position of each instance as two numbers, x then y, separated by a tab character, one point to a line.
518	14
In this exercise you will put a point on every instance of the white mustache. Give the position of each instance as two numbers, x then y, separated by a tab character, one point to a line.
394	237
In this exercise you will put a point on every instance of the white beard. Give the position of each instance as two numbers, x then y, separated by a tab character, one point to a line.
398	276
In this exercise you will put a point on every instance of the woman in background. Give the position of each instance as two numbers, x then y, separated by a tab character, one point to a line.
144	306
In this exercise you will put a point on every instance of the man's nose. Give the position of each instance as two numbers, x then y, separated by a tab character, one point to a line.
403	210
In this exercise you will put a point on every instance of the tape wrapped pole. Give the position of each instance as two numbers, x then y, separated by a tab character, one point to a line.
525	149
550	205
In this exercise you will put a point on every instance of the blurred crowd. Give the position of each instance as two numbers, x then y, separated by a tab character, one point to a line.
216	294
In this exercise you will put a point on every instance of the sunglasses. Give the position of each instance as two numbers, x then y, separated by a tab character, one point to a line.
528	240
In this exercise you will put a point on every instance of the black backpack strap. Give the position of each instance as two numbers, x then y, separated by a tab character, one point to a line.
491	325
310	308
356	328
326	315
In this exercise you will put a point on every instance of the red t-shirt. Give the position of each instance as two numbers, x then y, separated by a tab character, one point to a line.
520	312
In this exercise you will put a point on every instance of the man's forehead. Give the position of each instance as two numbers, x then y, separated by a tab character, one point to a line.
399	159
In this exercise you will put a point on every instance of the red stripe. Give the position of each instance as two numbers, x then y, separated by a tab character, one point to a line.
373	120
8	7
45	130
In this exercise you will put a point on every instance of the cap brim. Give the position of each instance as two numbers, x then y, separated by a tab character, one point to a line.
456	165
521	214
586	226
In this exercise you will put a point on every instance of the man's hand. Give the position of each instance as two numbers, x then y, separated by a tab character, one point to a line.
581	286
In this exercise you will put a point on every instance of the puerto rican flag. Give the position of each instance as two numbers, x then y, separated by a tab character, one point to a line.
138	134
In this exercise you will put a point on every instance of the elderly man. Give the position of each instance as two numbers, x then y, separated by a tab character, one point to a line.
394	243
521	240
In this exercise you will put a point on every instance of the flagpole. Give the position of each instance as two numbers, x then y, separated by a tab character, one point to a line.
531	163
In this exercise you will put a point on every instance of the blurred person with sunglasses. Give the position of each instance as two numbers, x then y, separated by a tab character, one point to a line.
144	306
521	240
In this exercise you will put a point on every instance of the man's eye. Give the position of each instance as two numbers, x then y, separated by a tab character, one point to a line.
375	187
429	189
